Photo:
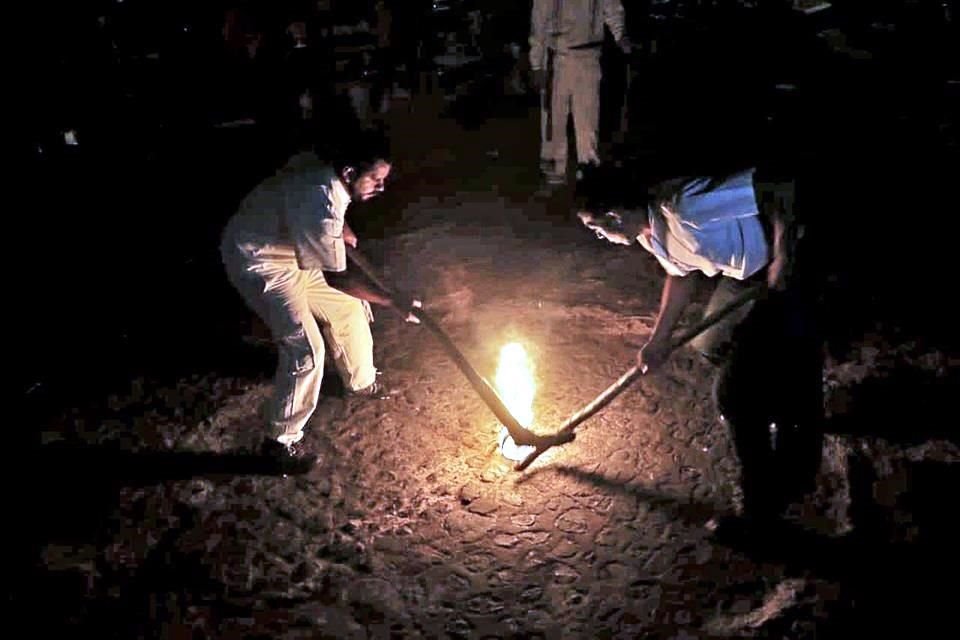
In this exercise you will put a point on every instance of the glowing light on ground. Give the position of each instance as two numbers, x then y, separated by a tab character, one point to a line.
516	386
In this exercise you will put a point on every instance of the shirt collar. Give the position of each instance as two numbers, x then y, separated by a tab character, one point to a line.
340	194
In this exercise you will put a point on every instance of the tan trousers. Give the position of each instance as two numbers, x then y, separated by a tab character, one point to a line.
302	311
576	90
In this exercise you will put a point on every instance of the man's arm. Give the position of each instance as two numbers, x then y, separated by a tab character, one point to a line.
676	295
777	271
349	237
613	17
539	16
356	285
785	233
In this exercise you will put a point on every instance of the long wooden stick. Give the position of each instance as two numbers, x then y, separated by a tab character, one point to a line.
483	388
566	432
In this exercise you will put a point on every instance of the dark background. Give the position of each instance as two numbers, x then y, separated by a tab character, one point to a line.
116	268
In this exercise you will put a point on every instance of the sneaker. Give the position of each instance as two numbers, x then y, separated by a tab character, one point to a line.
746	529
291	459
375	390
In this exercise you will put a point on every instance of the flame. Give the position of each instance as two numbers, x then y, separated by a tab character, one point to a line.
515	384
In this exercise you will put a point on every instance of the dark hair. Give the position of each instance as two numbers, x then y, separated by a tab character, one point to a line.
338	138
610	187
360	150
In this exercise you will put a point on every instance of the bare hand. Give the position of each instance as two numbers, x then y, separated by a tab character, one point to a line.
625	45
411	318
776	274
652	355
778	270
349	236
405	305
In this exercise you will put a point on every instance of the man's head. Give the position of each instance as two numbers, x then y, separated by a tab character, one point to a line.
610	204
363	164
617	227
367	183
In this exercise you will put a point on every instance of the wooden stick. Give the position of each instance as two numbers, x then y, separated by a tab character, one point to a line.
566	432
487	393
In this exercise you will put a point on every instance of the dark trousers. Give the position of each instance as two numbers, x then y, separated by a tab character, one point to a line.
769	391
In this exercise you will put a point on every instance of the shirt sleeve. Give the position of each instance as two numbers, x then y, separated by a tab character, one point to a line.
671	268
316	230
658	252
539	16
613	16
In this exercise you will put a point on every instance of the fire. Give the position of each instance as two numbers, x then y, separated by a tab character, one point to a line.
515	384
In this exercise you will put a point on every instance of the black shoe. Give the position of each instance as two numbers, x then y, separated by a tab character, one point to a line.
375	390
289	459
748	529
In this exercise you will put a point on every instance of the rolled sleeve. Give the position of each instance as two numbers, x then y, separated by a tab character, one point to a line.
671	268
316	230
613	16
538	33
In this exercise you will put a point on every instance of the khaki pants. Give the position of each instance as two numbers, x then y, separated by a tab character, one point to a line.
576	90
716	342
302	311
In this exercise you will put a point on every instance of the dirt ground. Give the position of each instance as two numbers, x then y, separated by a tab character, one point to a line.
415	526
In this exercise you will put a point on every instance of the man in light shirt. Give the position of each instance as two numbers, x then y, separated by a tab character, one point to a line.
741	231
284	251
566	37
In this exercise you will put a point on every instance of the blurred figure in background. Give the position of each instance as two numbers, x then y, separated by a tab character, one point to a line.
566	38
384	57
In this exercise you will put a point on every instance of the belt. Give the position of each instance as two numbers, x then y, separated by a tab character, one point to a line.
588	45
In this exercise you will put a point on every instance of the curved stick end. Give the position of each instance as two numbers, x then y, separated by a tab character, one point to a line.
526	462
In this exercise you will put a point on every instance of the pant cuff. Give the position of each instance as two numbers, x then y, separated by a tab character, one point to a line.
290	438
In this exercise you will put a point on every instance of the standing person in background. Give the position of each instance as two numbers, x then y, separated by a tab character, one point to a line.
411	22
384	57
566	38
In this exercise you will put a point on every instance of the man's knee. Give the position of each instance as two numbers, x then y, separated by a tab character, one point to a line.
712	347
298	355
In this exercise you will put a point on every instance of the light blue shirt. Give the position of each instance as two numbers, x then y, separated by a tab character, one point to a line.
710	228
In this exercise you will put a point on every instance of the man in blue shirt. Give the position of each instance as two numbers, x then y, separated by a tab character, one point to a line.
741	230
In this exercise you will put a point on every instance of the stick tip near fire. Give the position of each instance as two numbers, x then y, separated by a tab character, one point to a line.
509	449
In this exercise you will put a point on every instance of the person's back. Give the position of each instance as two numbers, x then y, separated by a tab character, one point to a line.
260	216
